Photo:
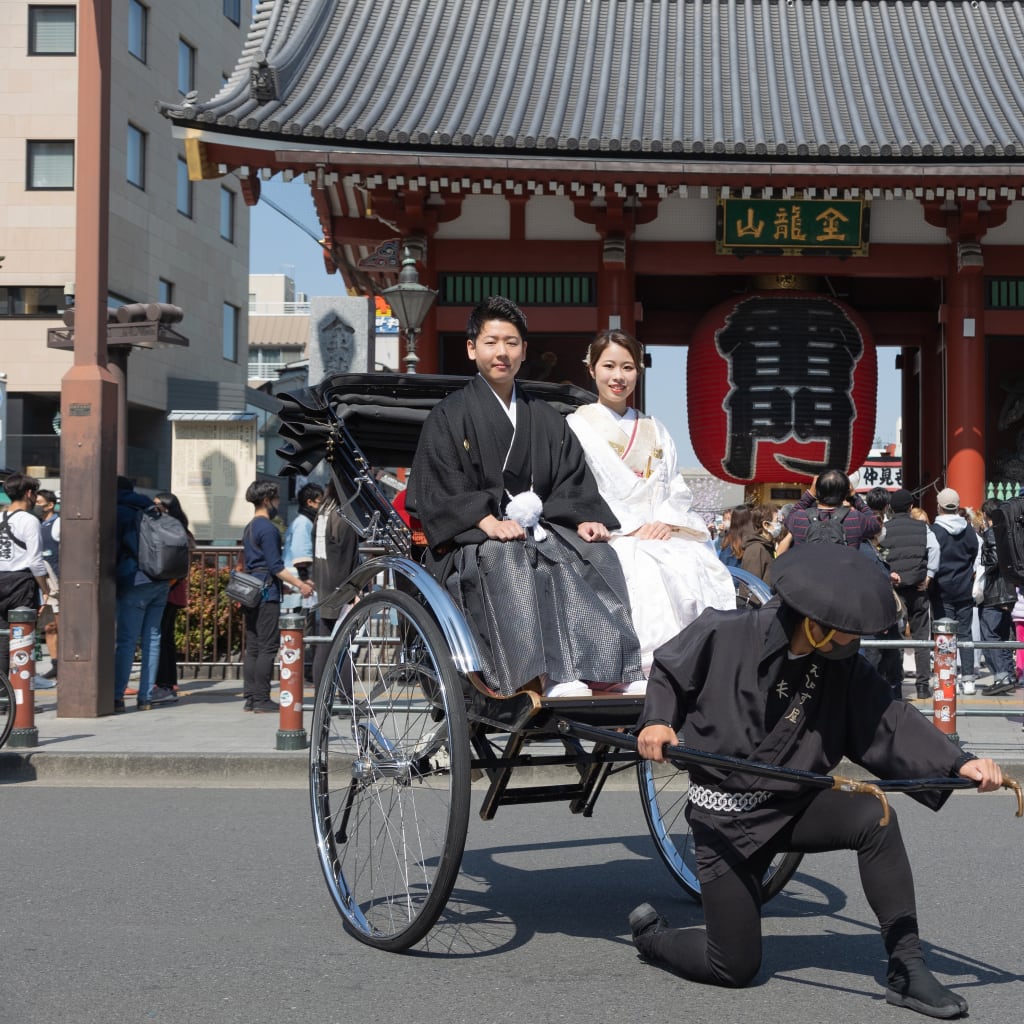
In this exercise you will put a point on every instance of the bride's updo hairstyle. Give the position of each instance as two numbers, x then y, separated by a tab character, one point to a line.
615	337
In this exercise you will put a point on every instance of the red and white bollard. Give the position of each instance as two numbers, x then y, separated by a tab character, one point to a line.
22	622
290	734
944	669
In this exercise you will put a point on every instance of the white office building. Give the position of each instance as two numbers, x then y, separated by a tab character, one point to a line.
171	240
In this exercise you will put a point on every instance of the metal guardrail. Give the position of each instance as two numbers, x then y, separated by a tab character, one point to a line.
1003	711
213	625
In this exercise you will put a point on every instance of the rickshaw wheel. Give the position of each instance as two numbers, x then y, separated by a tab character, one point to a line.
390	771
8	708
664	792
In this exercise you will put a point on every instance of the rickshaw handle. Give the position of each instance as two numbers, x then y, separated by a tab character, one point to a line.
813	780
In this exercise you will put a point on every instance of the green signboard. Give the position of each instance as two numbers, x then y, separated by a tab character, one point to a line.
792	226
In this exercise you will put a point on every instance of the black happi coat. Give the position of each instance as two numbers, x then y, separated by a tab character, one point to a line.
718	685
457	476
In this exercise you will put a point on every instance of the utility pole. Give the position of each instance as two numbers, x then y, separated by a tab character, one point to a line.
89	403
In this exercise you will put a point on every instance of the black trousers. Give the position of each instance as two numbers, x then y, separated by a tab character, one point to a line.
262	640
728	950
18	589
996	624
919	617
167	663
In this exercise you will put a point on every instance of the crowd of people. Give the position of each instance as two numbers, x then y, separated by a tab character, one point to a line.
148	608
946	569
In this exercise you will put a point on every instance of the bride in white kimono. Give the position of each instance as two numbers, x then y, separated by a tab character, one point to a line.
671	569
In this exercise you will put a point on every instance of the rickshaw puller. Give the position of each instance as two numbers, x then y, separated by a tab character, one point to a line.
783	685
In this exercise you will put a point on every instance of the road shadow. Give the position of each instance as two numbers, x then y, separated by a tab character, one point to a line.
505	897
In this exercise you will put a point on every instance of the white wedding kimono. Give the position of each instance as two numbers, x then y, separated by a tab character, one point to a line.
670	581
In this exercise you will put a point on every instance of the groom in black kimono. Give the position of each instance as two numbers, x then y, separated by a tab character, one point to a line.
540	588
783	685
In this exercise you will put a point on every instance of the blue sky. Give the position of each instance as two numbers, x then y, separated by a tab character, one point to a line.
278	247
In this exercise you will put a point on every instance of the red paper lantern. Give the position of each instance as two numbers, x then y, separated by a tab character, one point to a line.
781	386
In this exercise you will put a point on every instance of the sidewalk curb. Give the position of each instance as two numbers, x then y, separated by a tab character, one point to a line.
269	769
231	769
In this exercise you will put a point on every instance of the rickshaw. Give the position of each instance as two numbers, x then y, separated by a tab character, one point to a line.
403	719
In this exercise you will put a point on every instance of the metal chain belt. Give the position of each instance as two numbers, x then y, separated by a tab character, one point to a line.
717	800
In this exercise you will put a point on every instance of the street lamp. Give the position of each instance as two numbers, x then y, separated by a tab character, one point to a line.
410	301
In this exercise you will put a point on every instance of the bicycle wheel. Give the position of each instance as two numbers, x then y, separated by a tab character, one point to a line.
389	771
664	791
8	707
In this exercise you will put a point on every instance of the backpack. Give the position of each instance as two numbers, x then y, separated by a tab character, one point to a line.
1008	527
163	545
826	531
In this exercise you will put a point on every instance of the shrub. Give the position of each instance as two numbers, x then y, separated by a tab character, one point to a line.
211	628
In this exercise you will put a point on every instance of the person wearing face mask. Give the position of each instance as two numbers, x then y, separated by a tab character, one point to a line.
261	551
781	685
759	542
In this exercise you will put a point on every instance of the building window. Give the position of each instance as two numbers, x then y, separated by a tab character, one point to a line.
184	188
51	165
267	363
233	11
135	160
32	300
186	67
230	333
51	31
227	214
138	29
165	291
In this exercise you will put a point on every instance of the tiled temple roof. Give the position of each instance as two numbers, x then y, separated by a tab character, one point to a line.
857	80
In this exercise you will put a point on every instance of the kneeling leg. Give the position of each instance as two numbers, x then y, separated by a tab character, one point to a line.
727	951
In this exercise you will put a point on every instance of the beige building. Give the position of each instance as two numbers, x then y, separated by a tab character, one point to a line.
170	240
278	327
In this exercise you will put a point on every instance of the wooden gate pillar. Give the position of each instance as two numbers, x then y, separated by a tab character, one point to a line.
965	373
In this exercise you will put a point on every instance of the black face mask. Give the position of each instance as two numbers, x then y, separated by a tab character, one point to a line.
839	652
272	511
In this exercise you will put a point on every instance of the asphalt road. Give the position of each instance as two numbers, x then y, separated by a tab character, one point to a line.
180	905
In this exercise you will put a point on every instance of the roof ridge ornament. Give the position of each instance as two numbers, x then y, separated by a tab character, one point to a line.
263	80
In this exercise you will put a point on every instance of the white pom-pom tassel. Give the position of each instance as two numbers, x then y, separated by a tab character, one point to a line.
525	508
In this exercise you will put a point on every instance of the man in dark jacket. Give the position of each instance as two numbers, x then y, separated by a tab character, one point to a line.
954	582
997	600
914	557
782	685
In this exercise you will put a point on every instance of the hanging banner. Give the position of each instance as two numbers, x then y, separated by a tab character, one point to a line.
781	386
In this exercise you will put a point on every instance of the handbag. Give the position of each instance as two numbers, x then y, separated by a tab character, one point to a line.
245	588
